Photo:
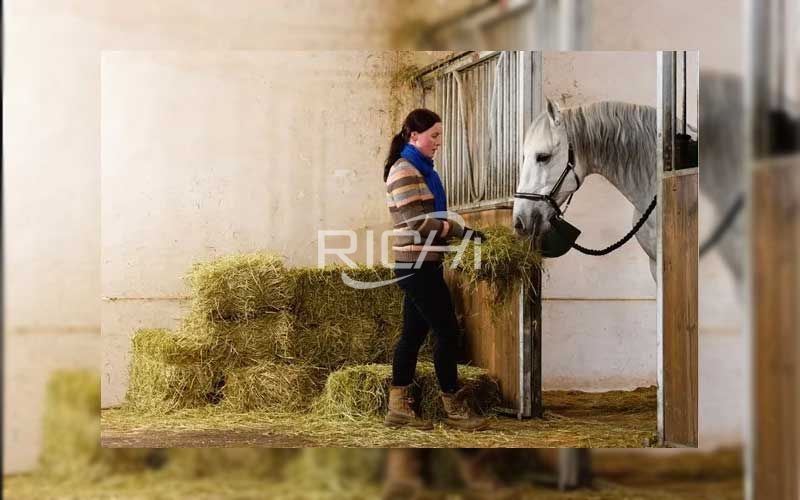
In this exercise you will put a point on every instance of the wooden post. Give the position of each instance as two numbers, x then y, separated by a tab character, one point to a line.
775	321
574	468
676	264
504	339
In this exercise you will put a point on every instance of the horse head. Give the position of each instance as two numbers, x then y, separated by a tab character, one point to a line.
546	159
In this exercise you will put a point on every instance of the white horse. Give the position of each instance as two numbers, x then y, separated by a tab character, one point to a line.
614	139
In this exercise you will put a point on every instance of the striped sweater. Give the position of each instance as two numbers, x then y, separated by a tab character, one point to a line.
408	197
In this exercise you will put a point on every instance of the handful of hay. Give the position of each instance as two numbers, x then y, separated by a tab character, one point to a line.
503	261
358	392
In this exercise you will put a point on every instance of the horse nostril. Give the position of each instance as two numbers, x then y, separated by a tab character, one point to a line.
518	224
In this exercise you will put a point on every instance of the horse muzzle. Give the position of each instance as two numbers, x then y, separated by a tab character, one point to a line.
559	239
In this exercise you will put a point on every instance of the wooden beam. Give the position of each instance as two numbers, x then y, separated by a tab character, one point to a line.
775	316
679	310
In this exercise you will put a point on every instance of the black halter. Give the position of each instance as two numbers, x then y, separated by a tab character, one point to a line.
550	197
557	242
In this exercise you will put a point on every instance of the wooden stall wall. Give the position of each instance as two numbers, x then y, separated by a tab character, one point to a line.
775	319
680	308
502	337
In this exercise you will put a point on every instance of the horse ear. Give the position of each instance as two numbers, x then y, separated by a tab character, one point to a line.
553	112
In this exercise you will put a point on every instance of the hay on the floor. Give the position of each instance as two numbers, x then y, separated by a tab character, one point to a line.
271	386
157	385
240	287
358	392
505	262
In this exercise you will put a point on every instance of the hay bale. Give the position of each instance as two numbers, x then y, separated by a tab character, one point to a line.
239	343
71	431
322	296
338	325
155	384
271	386
505	261
333	345
174	347
240	287
358	392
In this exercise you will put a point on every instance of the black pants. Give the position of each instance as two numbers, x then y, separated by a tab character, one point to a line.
427	305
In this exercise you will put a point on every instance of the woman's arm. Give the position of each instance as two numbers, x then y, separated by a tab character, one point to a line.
407	193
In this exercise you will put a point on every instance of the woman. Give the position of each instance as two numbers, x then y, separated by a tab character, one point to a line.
417	200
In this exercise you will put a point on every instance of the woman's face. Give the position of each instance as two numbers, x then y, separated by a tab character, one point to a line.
428	141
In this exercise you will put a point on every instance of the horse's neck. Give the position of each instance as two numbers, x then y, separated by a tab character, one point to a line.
632	174
636	184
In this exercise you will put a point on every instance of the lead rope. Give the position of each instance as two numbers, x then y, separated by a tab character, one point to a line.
611	248
724	224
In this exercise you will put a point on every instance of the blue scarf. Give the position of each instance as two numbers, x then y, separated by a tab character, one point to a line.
425	167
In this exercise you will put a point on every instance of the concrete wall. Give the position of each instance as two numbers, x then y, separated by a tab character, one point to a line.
599	313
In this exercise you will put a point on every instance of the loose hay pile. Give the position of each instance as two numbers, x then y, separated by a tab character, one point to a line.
505	261
358	392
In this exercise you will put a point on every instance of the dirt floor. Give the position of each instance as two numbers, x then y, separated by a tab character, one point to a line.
572	419
624	475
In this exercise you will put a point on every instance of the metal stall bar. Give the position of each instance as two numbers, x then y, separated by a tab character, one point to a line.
530	314
677	262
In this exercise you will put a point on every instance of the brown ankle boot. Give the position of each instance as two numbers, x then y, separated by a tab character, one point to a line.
403	479
459	415
401	413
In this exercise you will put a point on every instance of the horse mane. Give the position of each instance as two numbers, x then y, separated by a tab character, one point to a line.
612	136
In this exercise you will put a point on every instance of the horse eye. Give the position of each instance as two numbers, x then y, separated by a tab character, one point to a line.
542	157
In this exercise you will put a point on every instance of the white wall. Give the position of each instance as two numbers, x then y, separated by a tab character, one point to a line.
591	343
599	313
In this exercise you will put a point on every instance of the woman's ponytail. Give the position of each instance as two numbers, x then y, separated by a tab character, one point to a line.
398	143
418	120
